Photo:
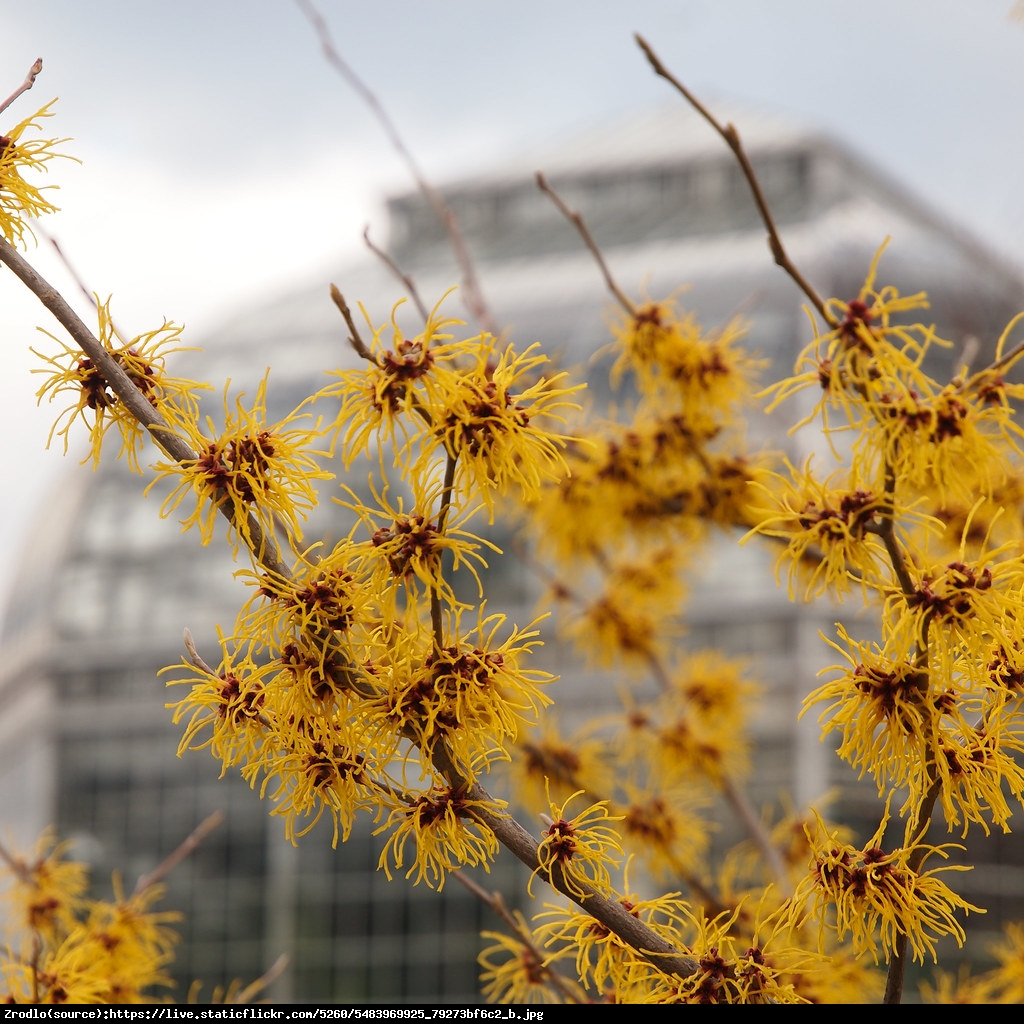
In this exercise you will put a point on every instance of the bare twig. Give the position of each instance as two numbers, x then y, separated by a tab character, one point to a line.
194	656
898	962
738	801
472	294
405	279
493	901
732	139
169	863
355	339
30	80
264	981
576	219
90	297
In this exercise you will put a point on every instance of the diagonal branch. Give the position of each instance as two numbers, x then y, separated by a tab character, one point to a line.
612	914
406	279
472	293
576	219
263	548
187	847
30	80
732	139
558	983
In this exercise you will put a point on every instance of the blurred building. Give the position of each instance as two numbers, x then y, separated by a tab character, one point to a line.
105	587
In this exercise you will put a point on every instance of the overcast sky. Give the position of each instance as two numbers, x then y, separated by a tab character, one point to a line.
223	161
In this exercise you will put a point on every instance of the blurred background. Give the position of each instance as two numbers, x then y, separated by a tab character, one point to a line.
227	176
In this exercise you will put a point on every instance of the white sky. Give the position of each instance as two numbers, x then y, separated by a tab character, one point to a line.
224	162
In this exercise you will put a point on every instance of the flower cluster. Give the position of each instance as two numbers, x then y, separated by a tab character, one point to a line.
71	949
877	897
579	851
19	198
481	405
355	681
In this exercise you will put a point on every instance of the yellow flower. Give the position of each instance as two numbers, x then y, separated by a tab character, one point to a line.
427	393
961	601
514	972
446	833
402	383
545	761
143	360
316	607
78	950
493	421
48	891
649	478
955	989
473	694
403	558
251	468
670	353
733	968
226	711
864	347
680	733
831	532
318	761
579	849
1006	982
978	765
875	897
636	613
604	963
128	945
938	437
20	200
665	830
883	709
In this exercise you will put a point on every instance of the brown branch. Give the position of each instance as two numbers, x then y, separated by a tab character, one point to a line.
405	279
737	800
169	863
451	463
263	548
354	337
576	219
264	981
612	914
713	906
898	963
90	297
472	293
30	80
492	900
732	139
